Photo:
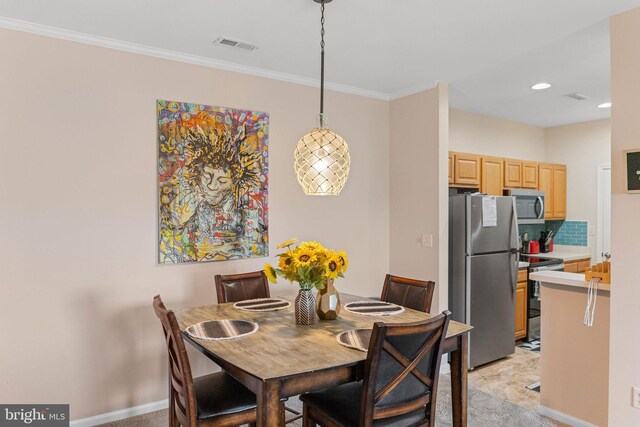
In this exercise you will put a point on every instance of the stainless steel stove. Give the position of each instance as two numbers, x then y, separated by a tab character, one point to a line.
533	301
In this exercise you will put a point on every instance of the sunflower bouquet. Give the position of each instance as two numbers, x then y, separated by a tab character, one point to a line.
310	264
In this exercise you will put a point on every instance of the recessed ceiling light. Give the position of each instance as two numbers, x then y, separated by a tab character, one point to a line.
540	86
605	105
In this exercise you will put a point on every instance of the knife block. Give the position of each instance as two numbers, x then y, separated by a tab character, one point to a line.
601	270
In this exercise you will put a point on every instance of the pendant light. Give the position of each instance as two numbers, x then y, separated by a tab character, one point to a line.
321	159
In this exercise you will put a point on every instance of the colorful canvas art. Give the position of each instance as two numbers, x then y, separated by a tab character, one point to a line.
212	182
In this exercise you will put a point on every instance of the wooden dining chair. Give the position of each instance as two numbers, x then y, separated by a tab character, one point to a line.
400	380
211	400
240	287
410	293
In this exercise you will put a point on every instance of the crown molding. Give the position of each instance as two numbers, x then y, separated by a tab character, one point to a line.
413	90
64	34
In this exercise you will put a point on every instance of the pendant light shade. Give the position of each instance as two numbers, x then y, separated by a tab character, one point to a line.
321	159
322	162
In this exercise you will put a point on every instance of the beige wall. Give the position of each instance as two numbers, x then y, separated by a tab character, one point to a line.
625	232
479	134
574	365
79	213
582	147
418	185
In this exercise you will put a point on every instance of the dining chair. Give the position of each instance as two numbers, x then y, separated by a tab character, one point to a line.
410	293
240	287
211	400
400	382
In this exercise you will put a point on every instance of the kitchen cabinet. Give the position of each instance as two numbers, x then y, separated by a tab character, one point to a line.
491	175
577	266
552	179
530	175
521	305
450	167
559	191
466	170
512	173
520	174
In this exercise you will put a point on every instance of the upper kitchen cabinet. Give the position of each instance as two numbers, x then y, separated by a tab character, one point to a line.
529	174
512	173
450	168
491	175
552	179
520	174
466	170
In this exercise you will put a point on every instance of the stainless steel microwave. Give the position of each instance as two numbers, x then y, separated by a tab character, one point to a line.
529	205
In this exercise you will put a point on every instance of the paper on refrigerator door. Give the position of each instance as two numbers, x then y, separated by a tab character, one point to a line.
489	212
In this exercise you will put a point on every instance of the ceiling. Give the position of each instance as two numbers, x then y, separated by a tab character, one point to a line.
490	52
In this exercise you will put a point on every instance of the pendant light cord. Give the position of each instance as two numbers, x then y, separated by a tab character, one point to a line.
322	60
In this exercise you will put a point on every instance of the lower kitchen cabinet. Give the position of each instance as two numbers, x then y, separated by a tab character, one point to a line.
577	266
521	305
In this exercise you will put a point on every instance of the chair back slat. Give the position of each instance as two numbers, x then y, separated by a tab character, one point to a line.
402	369
240	287
410	293
181	379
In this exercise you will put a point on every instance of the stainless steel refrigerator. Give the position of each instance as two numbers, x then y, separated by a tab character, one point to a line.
483	272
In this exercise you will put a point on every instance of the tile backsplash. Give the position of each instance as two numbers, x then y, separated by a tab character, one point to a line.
572	233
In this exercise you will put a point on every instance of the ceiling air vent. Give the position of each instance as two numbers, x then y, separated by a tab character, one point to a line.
225	41
576	96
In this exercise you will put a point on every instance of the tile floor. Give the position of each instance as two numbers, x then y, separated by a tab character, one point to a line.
508	378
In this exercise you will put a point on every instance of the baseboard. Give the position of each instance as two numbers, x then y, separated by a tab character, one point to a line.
121	414
563	418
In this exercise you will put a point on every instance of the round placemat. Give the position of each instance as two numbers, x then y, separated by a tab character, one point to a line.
374	308
355	338
262	304
221	329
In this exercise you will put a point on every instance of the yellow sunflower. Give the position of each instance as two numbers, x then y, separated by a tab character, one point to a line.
332	266
314	246
270	273
303	257
284	262
343	260
287	243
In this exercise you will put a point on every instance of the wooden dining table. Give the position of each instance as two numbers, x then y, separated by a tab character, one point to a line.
283	359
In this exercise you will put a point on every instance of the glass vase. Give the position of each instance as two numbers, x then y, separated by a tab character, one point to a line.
304	307
328	302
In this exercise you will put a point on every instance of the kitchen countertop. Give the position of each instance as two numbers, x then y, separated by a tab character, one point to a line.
566	253
572	280
523	264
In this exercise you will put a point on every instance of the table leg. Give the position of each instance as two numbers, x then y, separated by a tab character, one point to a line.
459	381
270	409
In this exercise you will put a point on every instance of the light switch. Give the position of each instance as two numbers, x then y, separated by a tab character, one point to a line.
427	240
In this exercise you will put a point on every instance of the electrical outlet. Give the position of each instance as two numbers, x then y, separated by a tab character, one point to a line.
636	397
427	240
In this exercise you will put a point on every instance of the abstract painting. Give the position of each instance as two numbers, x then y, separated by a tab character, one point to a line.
212	182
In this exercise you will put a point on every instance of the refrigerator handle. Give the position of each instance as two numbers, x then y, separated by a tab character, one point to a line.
514	272
515	248
515	236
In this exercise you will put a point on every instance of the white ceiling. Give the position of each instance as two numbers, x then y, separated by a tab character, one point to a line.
489	51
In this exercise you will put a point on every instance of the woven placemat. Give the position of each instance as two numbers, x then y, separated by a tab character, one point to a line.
374	308
221	329
262	304
355	338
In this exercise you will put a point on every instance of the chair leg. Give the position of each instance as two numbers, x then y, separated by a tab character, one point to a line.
173	420
306	420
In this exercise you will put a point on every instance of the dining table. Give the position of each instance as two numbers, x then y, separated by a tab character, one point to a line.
283	359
